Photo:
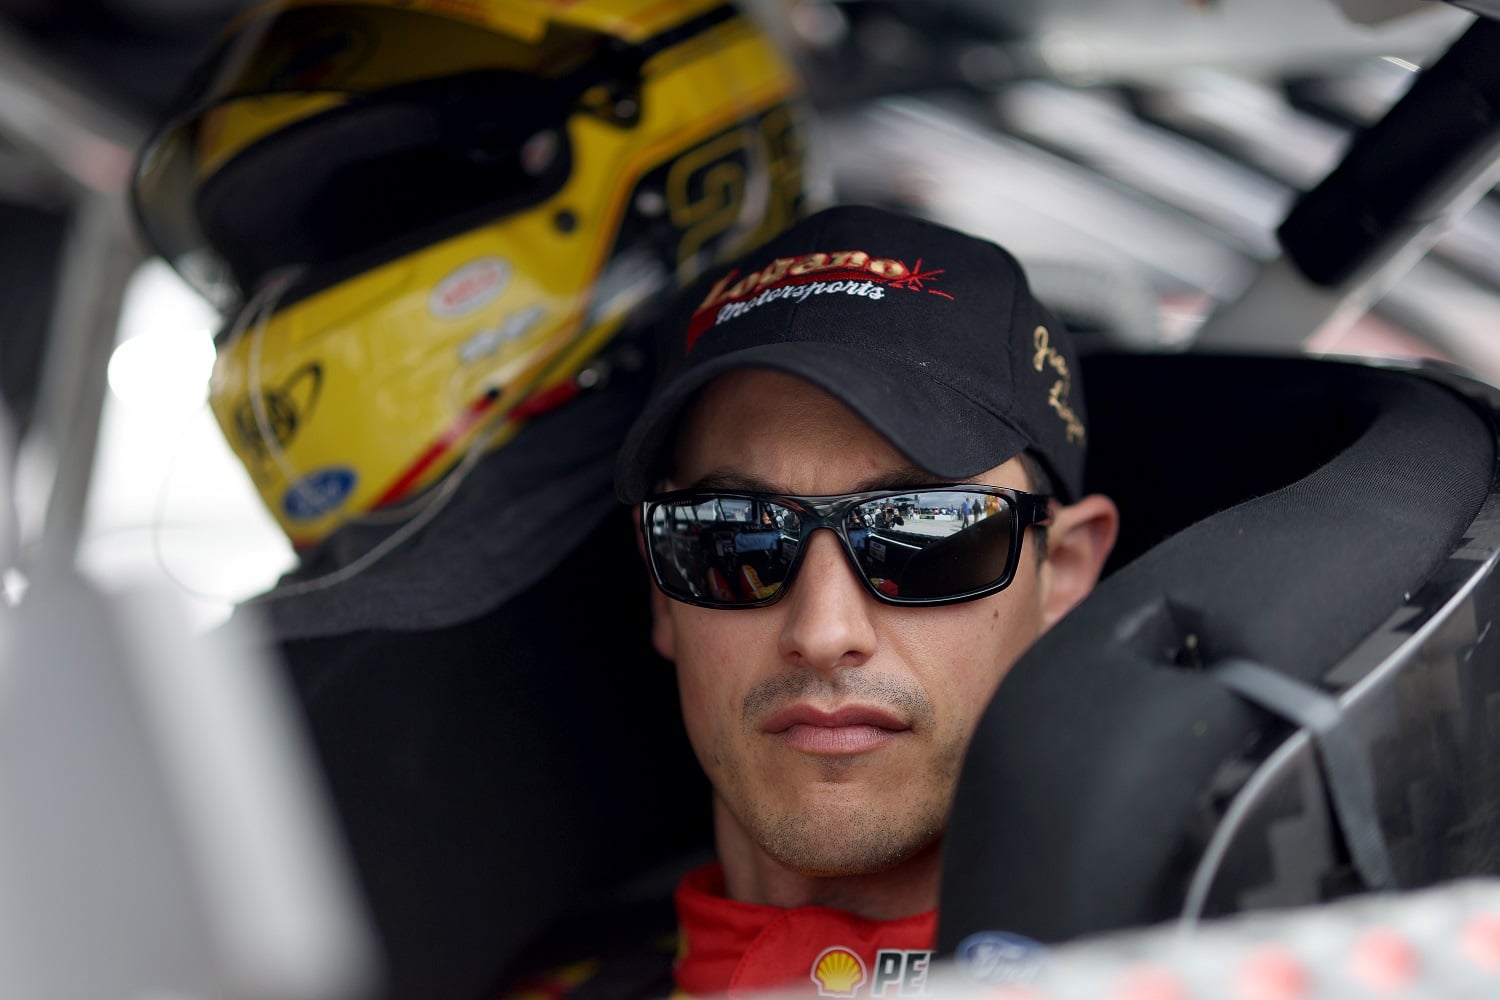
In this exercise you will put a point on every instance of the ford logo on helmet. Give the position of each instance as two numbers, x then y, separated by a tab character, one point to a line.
318	493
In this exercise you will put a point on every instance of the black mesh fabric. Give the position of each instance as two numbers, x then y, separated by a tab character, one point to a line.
1292	504
501	774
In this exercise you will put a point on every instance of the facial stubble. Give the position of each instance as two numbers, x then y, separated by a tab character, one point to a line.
839	822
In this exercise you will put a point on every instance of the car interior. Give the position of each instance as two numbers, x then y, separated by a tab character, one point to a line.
1281	693
1282	536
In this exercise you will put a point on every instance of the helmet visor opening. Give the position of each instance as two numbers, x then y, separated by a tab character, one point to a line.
374	177
240	180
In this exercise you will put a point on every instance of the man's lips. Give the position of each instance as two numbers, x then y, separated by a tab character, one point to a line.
848	730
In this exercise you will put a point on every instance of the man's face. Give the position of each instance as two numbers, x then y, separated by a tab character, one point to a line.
832	726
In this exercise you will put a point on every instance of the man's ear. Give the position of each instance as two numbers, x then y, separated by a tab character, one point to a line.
662	635
1079	539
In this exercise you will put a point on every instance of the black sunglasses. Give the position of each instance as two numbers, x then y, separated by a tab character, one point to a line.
922	545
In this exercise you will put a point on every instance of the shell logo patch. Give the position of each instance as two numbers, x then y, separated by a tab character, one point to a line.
899	972
837	972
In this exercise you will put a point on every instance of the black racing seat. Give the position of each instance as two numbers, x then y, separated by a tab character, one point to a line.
1288	514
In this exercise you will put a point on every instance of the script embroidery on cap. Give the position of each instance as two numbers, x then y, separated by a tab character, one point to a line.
1046	356
844	272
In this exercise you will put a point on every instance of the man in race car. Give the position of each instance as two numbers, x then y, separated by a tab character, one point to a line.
858	362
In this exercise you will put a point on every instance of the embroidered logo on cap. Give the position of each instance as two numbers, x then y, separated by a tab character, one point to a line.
843	272
1046	357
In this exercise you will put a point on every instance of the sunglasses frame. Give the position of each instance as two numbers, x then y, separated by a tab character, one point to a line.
831	512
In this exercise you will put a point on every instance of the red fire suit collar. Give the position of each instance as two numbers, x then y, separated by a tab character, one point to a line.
738	949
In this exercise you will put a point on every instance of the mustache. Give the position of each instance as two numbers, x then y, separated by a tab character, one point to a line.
907	699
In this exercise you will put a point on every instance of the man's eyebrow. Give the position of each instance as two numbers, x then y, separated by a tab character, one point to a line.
731	480
902	478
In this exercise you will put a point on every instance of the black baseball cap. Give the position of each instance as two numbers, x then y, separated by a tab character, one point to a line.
931	335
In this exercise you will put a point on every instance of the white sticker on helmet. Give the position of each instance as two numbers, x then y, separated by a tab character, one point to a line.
469	287
491	339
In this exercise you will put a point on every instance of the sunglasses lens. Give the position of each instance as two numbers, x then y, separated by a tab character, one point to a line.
726	550
933	544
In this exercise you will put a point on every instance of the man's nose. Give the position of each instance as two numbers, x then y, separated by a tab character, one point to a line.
827	622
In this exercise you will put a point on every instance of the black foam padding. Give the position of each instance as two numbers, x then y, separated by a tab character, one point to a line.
1300	501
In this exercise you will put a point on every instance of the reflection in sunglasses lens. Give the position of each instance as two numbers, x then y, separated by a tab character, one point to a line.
932	544
734	550
923	545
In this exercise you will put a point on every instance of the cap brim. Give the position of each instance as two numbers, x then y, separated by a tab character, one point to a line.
937	428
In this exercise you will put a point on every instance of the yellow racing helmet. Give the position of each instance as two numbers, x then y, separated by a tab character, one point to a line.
423	219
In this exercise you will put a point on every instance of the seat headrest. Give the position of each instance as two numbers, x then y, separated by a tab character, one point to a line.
1276	510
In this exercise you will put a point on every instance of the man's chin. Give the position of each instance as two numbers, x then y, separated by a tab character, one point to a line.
845	846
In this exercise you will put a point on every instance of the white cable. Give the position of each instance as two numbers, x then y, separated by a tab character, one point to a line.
254	317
